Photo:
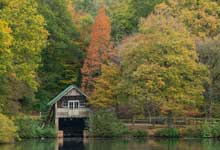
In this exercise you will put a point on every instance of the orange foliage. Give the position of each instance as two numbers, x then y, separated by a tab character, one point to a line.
98	51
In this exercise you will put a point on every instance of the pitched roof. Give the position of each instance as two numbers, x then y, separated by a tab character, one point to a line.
64	92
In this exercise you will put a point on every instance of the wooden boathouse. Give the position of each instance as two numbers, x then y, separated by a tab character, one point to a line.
70	109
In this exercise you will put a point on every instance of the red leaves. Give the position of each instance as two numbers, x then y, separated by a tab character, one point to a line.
97	53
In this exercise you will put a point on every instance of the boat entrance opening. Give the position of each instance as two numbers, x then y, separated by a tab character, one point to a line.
72	127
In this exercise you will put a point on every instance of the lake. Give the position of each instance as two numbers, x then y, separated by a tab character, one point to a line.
142	144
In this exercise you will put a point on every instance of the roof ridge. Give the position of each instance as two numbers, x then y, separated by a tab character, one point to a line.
64	92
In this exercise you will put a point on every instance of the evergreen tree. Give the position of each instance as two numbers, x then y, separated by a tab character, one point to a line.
125	16
61	59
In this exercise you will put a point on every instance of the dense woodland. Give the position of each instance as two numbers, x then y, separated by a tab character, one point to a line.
138	58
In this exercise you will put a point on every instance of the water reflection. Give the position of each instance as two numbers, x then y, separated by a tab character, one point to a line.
101	144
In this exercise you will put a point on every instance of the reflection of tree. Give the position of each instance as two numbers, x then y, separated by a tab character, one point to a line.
153	144
31	145
107	145
117	144
208	144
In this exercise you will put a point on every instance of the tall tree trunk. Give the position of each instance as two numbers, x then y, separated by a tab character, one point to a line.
210	96
210	102
170	120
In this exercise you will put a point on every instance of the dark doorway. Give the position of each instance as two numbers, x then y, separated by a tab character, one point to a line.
72	127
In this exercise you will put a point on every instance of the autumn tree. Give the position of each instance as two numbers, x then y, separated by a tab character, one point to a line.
161	65
83	22
98	51
209	54
5	59
29	38
106	86
201	17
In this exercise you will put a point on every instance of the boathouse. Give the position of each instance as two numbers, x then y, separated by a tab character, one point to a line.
70	109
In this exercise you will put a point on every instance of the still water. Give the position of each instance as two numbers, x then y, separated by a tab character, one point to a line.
149	144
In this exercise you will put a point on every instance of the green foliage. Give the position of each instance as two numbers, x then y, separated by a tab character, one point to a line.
105	93
139	133
29	36
105	124
22	50
209	53
210	130
30	128
89	6
207	130
195	15
5	60
164	68
62	57
168	133
7	130
191	132
125	15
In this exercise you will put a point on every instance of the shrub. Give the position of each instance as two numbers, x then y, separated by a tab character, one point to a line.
139	133
191	132
30	128
168	133
106	124
216	130
211	130
7	130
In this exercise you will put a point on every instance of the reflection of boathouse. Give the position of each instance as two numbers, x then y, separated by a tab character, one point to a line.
70	111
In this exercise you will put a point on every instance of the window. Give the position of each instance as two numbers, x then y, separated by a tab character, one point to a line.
74	104
64	104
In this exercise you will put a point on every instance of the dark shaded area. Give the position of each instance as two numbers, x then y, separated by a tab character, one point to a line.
72	144
72	127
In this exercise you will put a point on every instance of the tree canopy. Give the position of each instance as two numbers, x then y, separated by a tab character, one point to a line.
61	59
98	50
29	36
137	57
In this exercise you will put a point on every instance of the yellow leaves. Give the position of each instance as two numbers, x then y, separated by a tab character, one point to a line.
164	66
5	51
29	37
202	19
106	85
5	37
7	130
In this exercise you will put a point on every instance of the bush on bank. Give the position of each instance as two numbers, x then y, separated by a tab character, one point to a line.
139	133
105	124
168	133
207	130
31	128
7	130
211	130
191	132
